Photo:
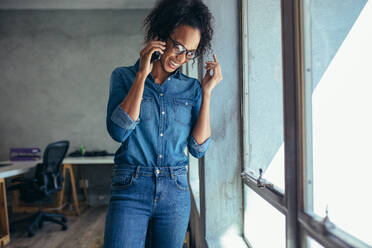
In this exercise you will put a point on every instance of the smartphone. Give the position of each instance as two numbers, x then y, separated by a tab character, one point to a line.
155	56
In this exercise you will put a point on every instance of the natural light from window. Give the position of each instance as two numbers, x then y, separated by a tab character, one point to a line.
342	133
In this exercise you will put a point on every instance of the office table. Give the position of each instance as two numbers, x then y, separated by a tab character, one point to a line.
78	161
9	171
22	167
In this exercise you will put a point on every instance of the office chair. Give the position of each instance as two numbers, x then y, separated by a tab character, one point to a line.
46	182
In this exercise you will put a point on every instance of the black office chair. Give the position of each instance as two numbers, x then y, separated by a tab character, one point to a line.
46	182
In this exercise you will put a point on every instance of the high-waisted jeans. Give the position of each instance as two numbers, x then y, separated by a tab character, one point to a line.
148	206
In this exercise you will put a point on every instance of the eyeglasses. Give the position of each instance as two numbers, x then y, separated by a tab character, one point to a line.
178	48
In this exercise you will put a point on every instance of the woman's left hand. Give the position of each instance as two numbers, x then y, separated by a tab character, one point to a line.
210	81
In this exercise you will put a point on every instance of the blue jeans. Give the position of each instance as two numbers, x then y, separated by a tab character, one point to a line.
148	206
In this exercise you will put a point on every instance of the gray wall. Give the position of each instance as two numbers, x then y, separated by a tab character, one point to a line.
55	67
222	217
76	4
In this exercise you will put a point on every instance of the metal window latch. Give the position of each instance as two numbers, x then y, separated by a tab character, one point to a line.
326	223
259	183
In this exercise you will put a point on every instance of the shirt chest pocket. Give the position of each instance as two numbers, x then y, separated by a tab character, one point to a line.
146	110
182	110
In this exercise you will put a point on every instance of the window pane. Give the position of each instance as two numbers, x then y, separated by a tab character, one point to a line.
261	220
338	56
312	243
265	99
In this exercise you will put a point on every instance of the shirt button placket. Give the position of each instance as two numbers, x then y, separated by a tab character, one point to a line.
161	128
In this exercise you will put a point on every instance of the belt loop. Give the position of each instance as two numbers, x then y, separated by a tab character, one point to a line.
137	171
171	172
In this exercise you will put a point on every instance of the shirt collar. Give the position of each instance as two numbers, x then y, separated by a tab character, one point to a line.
175	74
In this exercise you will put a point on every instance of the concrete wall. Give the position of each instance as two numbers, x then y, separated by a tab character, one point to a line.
55	68
76	4
221	206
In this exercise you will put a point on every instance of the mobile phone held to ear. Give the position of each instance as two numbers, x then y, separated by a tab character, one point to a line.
155	56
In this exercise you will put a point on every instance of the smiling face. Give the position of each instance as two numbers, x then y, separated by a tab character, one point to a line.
187	36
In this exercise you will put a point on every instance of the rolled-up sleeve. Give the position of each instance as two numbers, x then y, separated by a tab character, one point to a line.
197	150
119	124
122	119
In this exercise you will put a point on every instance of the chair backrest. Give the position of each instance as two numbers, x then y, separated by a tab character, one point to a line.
50	173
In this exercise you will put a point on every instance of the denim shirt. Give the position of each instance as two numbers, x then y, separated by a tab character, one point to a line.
167	116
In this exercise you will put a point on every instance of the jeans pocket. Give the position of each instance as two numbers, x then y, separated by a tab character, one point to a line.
120	182
182	110
181	182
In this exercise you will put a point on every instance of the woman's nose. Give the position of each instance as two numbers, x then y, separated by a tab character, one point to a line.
181	57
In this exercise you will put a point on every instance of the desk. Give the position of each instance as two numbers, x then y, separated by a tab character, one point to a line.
76	161
22	167
9	171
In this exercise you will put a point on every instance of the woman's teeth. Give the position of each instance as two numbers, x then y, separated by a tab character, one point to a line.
173	64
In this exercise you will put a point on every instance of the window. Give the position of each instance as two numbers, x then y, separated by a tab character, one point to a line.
264	92
263	120
311	243
338	84
264	226
323	51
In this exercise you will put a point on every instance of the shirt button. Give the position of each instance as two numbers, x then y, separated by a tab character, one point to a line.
169	78
161	94
160	156
163	113
161	134
157	171
187	103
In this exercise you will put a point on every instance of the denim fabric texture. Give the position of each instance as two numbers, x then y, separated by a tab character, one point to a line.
168	114
149	196
149	207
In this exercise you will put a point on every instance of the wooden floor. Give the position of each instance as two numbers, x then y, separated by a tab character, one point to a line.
84	231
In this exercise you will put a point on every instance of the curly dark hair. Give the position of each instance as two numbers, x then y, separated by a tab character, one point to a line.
170	14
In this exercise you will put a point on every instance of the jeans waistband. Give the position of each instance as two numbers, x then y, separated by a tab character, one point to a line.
138	170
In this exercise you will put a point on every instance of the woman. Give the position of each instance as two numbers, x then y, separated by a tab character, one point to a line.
155	111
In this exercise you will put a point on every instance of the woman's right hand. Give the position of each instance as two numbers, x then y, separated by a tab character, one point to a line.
146	53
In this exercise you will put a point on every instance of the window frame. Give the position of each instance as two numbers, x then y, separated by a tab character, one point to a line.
296	203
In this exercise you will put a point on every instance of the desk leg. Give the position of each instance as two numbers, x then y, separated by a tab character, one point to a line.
61	194
85	190
73	186
4	223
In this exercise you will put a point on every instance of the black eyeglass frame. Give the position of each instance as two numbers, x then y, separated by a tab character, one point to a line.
175	43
